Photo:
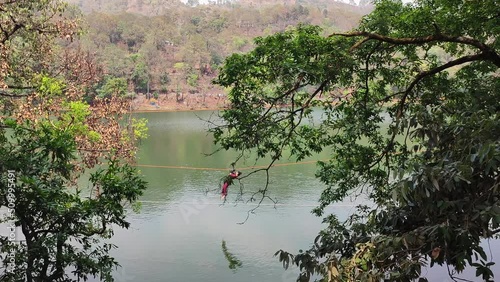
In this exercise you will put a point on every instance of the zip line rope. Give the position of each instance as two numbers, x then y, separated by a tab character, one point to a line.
222	169
242	203
243	168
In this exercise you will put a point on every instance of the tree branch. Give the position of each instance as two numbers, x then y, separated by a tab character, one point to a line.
412	85
459	61
293	126
8	34
489	53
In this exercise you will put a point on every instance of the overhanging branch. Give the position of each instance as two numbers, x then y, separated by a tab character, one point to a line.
489	53
412	85
459	61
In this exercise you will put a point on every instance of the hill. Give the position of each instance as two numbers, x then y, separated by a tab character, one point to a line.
173	50
145	7
159	7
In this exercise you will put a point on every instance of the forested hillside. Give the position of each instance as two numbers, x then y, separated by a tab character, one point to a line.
148	7
166	47
158	7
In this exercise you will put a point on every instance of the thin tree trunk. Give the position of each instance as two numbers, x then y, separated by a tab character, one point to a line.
29	246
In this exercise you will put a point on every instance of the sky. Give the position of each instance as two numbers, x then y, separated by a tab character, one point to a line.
206	1
345	1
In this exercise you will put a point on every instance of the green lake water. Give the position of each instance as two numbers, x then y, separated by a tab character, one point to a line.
178	234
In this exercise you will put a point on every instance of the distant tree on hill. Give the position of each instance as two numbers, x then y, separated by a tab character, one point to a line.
113	87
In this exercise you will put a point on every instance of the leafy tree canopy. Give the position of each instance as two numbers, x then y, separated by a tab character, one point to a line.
50	141
415	136
113	86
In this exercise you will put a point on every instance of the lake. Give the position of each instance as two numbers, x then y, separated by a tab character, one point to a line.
179	231
178	234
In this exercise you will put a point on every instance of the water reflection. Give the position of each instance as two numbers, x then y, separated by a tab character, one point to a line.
234	262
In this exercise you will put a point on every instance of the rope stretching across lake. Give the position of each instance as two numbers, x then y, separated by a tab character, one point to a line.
222	169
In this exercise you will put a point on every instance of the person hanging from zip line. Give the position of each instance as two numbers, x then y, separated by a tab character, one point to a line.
228	180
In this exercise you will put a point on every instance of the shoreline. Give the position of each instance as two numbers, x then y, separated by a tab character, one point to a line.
169	103
142	111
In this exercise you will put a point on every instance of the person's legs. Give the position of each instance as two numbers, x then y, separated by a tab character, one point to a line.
224	190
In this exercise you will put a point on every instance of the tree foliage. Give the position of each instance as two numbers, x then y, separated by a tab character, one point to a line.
113	87
61	227
414	137
51	140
